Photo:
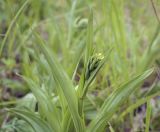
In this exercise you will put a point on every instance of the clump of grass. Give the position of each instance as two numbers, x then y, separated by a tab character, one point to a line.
95	47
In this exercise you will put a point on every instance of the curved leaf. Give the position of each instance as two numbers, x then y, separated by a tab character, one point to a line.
113	102
36	122
65	83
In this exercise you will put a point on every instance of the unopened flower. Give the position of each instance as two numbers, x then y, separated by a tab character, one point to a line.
93	64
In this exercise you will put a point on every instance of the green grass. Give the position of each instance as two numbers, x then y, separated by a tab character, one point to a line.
83	65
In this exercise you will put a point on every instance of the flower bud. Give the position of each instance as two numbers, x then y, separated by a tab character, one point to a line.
93	63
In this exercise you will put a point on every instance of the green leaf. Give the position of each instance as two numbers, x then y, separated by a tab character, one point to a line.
11	25
149	96
89	40
113	102
47	107
148	116
111	128
137	104
35	121
65	83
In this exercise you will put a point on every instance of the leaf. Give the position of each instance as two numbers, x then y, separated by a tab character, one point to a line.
47	107
113	102
76	58
89	40
35	121
111	128
65	83
11	25
139	103
148	115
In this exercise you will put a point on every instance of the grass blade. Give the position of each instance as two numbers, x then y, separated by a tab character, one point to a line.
139	103
37	123
11	25
148	116
113	102
47	107
65	84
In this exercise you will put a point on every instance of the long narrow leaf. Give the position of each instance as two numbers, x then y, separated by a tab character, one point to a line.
36	122
11	25
46	105
65	84
113	102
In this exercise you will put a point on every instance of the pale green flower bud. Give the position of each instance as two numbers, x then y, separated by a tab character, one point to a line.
93	64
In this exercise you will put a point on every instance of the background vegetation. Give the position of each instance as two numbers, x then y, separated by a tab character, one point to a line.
79	65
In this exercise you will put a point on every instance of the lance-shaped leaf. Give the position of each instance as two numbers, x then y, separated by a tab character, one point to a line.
65	83
34	120
11	25
47	107
113	102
